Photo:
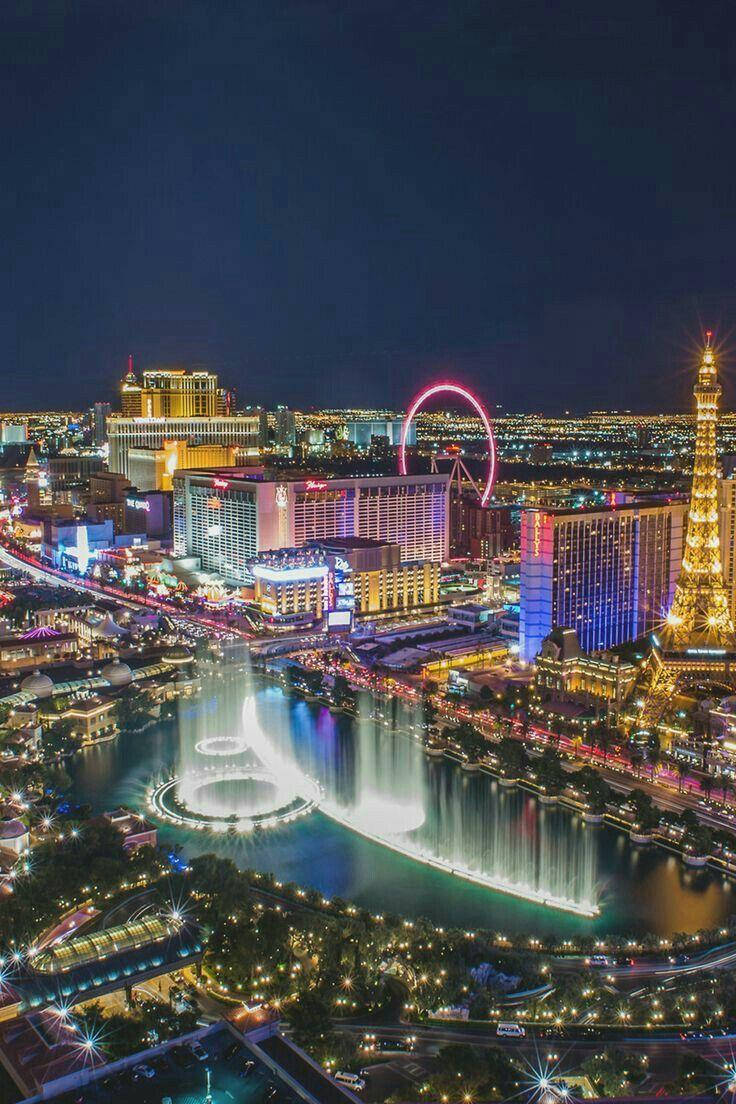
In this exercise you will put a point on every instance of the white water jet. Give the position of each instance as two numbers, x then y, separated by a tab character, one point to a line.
372	777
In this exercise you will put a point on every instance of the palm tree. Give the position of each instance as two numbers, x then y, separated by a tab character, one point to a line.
654	756
726	788
636	758
604	739
682	772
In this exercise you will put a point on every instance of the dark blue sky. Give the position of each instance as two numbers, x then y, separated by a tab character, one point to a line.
330	201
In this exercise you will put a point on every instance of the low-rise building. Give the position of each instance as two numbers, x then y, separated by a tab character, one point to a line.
472	616
35	648
564	670
136	830
92	719
469	650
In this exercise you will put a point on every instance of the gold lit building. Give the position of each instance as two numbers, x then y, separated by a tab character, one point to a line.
171	393
697	643
152	469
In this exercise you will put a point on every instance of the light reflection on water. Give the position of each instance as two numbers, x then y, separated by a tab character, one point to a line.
640	889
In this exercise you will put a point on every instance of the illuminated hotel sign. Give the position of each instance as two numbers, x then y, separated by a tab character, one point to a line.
537	538
221	484
316	485
138	504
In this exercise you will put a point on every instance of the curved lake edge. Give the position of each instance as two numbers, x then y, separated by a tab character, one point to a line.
336	864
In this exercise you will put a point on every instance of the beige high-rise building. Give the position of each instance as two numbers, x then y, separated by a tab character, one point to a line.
727	533
244	430
171	393
152	469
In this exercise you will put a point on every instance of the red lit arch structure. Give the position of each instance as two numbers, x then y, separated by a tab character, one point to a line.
455	389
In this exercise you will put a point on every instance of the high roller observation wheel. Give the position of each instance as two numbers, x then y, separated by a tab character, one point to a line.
455	389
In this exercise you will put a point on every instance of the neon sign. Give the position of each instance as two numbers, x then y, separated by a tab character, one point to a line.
138	504
537	536
221	484
455	389
316	485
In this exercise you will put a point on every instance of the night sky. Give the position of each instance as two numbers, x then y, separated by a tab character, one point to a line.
329	202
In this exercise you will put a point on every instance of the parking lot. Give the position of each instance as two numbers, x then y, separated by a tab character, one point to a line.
235	1075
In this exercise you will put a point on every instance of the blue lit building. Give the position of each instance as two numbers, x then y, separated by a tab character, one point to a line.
609	573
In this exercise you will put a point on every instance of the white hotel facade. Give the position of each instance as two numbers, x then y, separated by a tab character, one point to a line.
244	430
227	516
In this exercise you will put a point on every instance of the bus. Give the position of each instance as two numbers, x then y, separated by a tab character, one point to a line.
510	1030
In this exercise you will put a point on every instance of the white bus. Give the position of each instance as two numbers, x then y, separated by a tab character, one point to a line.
351	1080
510	1029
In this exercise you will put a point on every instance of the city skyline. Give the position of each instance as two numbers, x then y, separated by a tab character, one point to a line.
367	552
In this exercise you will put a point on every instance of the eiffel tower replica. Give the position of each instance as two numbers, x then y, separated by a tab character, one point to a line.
697	643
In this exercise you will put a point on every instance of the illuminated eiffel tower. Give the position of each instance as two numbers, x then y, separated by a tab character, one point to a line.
697	643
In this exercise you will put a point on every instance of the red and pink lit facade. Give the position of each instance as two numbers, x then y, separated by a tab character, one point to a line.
227	517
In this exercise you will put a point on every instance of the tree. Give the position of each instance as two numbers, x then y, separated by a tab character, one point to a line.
636	758
647	815
654	758
609	1072
462	1072
312	681
603	738
470	740
342	693
310	1019
694	1075
429	709
550	774
512	758
133	709
683	770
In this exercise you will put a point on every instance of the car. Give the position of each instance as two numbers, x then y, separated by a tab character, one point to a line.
198	1051
143	1070
247	1068
271	1091
682	960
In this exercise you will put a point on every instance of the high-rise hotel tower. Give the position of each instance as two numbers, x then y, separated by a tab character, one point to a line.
609	572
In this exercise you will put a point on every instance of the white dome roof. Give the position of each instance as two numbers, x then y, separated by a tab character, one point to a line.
117	673
38	684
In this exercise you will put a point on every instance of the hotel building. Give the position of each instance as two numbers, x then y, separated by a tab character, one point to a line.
227	516
172	393
247	431
608	573
342	577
